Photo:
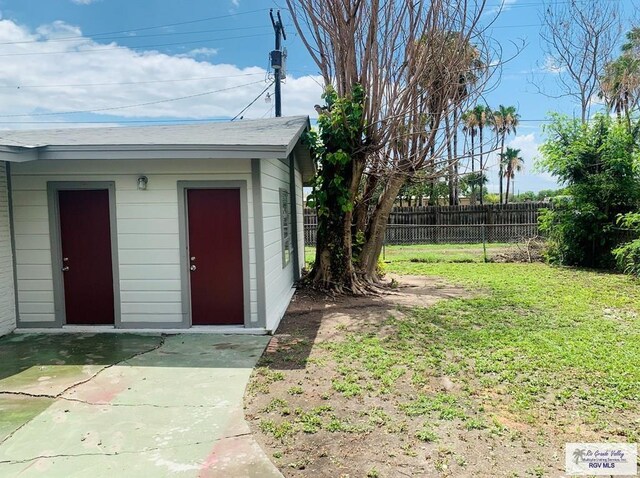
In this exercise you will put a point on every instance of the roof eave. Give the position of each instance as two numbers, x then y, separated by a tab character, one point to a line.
143	151
303	155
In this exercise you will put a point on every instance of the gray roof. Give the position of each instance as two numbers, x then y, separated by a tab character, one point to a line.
266	138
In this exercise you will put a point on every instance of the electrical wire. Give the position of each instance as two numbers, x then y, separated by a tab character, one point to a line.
69	85
255	99
149	103
131	30
134	37
141	47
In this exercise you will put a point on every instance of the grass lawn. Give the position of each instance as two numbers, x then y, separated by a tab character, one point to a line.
430	253
492	383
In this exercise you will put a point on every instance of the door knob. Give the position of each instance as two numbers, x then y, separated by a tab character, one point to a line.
193	268
193	258
65	268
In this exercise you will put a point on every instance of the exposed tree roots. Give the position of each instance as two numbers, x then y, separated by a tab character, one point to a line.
356	284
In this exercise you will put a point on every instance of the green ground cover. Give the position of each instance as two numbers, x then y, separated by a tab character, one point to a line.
528	358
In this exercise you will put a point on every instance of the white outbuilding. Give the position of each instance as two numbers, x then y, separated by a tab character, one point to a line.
157	227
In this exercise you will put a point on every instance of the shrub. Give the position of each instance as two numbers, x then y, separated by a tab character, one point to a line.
598	164
628	255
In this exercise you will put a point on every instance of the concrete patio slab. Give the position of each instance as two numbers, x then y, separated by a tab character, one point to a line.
150	406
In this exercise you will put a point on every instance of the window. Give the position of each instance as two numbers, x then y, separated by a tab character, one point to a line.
285	223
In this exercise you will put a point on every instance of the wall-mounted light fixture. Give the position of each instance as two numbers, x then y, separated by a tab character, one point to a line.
142	183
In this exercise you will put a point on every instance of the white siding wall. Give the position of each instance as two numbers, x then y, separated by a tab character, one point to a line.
278	280
7	298
147	223
300	217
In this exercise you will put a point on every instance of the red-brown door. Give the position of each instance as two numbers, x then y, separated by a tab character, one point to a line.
85	232
215	256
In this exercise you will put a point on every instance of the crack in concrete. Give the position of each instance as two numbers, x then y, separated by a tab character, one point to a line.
116	453
82	382
137	354
14	432
59	395
107	404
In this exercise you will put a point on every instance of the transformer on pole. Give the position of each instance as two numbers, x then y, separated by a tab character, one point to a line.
278	58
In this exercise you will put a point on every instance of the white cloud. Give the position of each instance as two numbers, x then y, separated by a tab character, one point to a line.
116	72
236	3
528	147
199	53
530	179
84	2
504	6
550	65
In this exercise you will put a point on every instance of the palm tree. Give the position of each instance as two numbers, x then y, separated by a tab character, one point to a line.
504	121
472	181
470	128
620	82
482	114
510	162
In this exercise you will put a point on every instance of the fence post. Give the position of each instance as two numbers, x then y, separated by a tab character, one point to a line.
490	221
484	242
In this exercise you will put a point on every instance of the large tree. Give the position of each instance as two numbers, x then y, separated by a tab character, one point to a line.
620	81
504	121
511	162
470	129
393	70
483	118
578	39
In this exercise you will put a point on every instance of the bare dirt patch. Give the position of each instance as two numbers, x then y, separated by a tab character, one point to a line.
331	398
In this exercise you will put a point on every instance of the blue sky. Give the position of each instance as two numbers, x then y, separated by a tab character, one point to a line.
137	61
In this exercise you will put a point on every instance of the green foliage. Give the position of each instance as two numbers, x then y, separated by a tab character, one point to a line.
421	187
470	185
535	330
598	163
339	134
541	195
628	255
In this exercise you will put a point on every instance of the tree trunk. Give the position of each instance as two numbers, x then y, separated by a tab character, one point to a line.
361	210
501	166
333	268
450	179
472	199
481	168
506	195
456	160
368	260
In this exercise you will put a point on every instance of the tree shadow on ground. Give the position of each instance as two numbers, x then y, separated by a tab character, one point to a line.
314	317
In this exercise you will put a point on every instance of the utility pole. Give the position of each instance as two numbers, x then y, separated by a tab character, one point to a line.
278	58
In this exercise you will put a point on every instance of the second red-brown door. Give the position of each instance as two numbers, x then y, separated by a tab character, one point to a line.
215	256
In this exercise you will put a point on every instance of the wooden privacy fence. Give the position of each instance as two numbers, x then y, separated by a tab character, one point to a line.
452	224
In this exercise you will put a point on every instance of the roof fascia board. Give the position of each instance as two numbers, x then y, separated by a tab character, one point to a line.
16	154
306	125
156	152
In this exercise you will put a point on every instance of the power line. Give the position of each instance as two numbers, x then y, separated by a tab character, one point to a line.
254	100
176	120
149	103
129	82
512	6
165	25
141	47
129	37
